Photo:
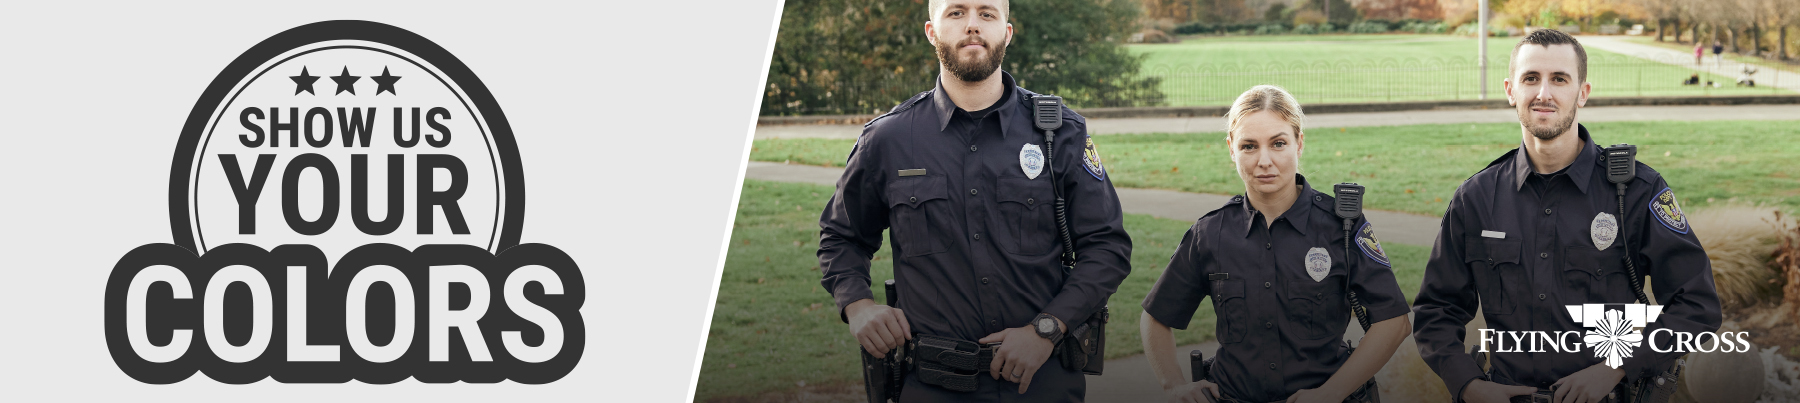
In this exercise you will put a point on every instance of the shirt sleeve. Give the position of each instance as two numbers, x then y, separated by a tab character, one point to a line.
1679	271
1374	284
1096	225
1183	284
850	227
1447	301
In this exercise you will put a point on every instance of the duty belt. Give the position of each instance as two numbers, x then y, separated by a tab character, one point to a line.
950	363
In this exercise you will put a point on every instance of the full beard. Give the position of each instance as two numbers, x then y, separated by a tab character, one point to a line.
1547	132
970	70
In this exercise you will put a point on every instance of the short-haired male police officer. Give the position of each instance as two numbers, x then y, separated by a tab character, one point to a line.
1541	228
957	175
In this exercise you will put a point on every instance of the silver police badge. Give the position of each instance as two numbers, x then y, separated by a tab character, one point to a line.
1318	264
1604	230
1031	160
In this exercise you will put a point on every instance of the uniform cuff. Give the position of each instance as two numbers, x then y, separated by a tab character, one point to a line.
1384	313
848	293
1459	374
1068	309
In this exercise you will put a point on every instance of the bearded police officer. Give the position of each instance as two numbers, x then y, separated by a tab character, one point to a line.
1545	227
958	175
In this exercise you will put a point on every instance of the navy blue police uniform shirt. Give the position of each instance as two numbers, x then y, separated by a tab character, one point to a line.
974	236
1279	327
1522	245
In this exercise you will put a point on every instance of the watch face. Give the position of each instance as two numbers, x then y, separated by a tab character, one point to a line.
1046	325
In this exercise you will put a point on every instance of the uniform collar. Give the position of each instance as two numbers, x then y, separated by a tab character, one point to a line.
947	108
1296	215
1577	170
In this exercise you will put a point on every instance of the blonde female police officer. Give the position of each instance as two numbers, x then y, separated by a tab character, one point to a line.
1274	262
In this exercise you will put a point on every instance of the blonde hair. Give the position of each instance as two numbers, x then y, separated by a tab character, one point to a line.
1263	98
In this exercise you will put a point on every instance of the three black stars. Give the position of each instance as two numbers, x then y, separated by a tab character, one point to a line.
345	82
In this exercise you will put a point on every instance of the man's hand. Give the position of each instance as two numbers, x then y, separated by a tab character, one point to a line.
1320	395
1588	385
1020	354
1193	392
878	328
1480	391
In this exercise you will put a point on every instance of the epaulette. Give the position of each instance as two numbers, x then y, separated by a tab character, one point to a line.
902	107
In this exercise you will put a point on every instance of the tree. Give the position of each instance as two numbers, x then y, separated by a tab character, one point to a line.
1526	9
865	56
1071	48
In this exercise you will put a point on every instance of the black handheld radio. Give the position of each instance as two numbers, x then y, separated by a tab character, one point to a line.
1349	208
1085	346
1621	167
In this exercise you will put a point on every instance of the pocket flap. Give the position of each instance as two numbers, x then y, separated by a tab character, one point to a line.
1491	251
1026	192
912	190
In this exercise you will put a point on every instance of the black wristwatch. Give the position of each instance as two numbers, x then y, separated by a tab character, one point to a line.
1046	327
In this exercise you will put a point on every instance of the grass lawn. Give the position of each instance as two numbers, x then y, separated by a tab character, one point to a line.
1417	168
1381	68
774	328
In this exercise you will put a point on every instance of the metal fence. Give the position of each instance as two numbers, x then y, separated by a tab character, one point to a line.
1391	80
1362	81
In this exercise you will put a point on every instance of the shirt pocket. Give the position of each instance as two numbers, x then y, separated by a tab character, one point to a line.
1317	307
918	204
1596	275
1232	310
1495	266
1029	217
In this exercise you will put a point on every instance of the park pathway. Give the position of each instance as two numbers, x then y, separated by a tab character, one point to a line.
1729	69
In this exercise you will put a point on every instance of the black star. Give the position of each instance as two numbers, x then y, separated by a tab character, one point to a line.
385	82
304	81
345	82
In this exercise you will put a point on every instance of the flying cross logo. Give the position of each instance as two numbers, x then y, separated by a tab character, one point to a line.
1612	334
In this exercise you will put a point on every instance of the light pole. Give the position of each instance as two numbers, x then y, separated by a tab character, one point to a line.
1481	32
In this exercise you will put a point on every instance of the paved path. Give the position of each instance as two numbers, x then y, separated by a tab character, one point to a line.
1729	68
1411	229
1215	124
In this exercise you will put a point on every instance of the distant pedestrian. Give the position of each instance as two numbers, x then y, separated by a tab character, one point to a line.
1718	59
1699	50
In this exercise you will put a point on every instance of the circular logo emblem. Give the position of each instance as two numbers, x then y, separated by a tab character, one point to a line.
343	133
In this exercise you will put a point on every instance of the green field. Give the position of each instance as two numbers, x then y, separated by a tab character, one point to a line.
1417	168
774	328
1382	68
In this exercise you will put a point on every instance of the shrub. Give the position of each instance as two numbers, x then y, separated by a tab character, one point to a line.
1305	29
1368	27
1271	29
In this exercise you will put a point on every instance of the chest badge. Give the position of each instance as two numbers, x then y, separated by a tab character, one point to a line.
1318	264
1604	230
1031	160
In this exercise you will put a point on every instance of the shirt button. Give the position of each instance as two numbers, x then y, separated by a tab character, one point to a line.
1544	255
1317	198
977	237
1271	365
971	148
912	200
1268	325
1265	284
1268	245
1546	211
971	192
1030	201
984	280
992	322
1540	297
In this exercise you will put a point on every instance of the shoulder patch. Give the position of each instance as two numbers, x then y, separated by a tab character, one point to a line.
1365	239
1668	211
1090	159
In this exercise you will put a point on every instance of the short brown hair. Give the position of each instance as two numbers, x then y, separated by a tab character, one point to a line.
933	6
1546	37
